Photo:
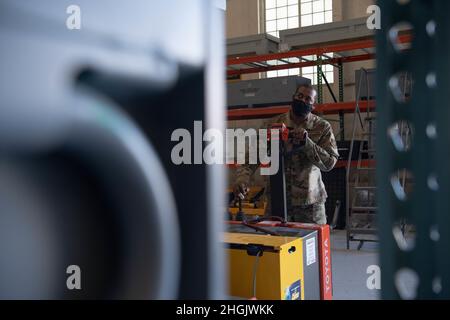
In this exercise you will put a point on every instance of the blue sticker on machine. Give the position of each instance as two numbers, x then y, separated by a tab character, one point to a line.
294	292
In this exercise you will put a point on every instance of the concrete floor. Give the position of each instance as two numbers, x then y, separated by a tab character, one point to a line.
350	268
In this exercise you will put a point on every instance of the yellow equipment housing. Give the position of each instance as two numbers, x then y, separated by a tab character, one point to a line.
276	263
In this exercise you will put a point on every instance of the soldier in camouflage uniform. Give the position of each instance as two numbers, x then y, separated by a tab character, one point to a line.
315	151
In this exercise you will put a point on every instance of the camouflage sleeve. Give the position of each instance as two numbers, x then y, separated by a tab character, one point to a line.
323	154
246	171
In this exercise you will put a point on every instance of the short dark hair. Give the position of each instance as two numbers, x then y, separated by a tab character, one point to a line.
304	85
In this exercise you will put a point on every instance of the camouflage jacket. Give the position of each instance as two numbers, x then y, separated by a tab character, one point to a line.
303	167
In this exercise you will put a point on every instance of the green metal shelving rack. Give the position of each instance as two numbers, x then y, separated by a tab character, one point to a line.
419	269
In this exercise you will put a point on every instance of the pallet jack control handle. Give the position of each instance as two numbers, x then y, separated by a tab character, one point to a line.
271	218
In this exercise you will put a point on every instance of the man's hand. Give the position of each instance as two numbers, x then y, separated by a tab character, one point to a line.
241	190
298	136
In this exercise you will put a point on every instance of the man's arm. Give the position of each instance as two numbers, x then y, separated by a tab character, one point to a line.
246	171
323	154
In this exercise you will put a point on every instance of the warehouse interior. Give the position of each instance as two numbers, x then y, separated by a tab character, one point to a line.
313	25
126	167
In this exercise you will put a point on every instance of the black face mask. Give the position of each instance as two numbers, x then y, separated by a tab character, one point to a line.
301	109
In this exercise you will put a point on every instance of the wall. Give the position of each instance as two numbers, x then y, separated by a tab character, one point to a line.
242	18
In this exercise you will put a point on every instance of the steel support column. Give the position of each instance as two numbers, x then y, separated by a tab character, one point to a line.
341	99
319	80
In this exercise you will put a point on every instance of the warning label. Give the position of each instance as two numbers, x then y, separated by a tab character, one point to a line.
310	251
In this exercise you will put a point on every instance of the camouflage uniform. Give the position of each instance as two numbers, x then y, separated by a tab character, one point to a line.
306	194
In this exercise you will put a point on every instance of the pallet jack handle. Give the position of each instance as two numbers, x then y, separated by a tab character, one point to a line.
271	218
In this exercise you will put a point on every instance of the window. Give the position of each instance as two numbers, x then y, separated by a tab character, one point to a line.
311	72
315	12
285	72
281	15
286	14
307	72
